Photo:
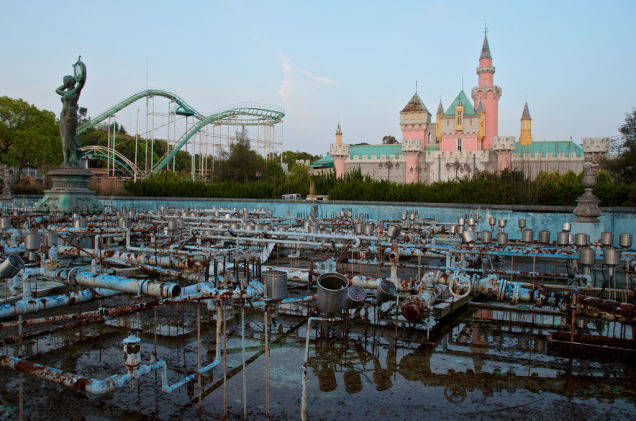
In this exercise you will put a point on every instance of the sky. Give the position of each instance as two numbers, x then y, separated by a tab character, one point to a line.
324	62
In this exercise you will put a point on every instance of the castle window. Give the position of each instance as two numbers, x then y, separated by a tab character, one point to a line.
459	144
460	115
428	140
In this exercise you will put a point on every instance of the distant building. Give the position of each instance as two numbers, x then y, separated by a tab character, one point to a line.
462	141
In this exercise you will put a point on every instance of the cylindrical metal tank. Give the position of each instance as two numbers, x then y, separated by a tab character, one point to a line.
607	238
80	222
522	223
332	292
544	237
563	238
355	296
587	256
5	223
173	226
357	227
386	291
32	241
275	284
467	237
625	240
611	257
580	239
394	231
50	239
486	236
502	238
527	236
11	266
368	229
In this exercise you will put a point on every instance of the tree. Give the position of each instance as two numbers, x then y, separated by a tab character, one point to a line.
622	165
242	163
290	157
273	172
29	137
389	140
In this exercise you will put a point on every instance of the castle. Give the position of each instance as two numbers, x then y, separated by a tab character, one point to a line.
463	140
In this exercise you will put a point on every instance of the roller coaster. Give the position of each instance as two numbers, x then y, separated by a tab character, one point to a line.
240	115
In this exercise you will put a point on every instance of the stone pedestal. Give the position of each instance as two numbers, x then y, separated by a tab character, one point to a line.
70	192
587	209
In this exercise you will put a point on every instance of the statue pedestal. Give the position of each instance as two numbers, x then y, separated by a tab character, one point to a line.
587	209
70	192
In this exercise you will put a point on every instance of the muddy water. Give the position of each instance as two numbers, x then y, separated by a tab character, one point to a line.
483	365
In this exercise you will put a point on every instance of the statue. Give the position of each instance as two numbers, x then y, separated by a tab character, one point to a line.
70	92
69	192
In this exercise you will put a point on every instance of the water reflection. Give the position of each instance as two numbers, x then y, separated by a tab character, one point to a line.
502	360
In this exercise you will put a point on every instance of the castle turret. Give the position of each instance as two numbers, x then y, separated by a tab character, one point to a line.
438	122
503	147
412	149
482	116
525	138
414	119
339	152
339	135
488	94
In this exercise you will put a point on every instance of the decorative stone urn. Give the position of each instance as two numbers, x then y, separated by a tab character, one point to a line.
587	209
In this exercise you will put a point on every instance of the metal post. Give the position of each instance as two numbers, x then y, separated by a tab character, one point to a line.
136	140
243	360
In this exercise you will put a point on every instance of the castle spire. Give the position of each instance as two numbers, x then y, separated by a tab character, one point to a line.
525	137
526	113
339	135
440	108
485	48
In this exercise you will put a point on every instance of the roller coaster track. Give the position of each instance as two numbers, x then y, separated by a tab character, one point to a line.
240	115
102	152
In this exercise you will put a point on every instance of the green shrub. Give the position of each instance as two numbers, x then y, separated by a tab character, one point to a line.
506	188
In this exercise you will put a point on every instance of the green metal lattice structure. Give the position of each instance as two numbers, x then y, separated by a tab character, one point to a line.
235	115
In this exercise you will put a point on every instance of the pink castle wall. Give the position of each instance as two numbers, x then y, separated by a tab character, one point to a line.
412	161
469	142
503	160
414	134
339	166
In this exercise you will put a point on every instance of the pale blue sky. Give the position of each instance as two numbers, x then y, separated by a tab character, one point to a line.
574	61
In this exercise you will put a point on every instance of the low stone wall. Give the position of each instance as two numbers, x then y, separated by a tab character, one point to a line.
551	218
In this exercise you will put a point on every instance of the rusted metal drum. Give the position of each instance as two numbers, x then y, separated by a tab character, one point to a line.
332	292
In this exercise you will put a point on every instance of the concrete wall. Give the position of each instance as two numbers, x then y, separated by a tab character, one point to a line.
617	220
532	167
